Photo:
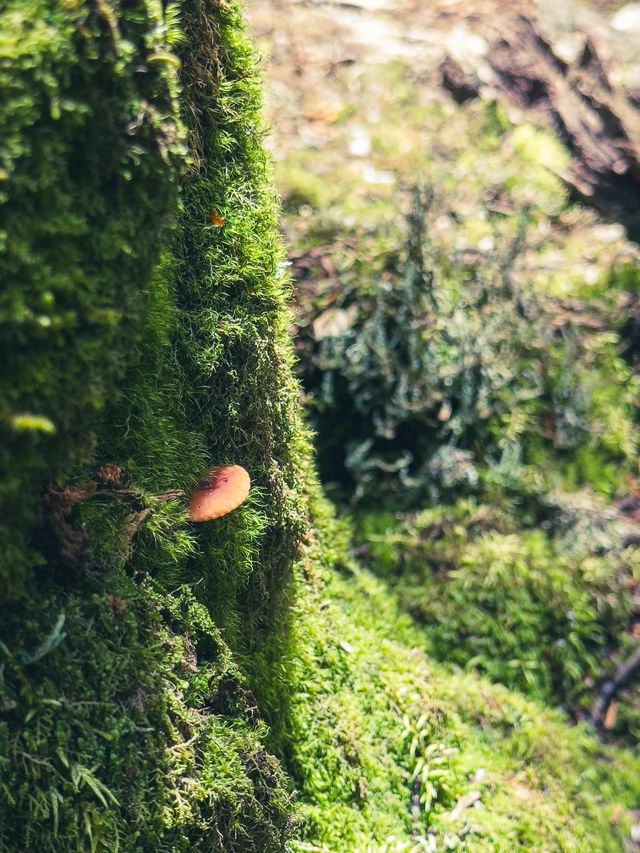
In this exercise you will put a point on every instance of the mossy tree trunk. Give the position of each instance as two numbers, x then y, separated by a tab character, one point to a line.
136	355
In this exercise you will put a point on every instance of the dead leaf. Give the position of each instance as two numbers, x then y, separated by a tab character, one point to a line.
610	717
334	322
463	803
618	813
216	220
445	411
327	113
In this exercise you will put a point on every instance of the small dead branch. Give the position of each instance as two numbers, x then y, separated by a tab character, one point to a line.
609	689
65	543
132	524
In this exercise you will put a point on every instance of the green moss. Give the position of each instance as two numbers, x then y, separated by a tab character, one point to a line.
372	726
542	612
87	191
111	748
135	731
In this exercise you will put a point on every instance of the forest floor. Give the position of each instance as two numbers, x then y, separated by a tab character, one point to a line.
350	84
358	113
307	45
359	116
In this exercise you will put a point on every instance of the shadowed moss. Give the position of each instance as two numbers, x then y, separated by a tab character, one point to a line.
111	748
87	191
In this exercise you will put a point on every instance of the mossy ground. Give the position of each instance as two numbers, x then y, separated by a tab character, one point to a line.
143	656
528	578
395	717
465	352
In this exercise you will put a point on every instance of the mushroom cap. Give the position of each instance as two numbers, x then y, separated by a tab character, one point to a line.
222	490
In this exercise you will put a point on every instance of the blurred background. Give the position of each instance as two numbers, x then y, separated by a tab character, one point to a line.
460	185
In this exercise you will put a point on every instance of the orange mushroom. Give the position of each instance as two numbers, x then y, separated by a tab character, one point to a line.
222	490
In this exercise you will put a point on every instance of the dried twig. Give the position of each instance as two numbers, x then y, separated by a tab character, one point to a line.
624	674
